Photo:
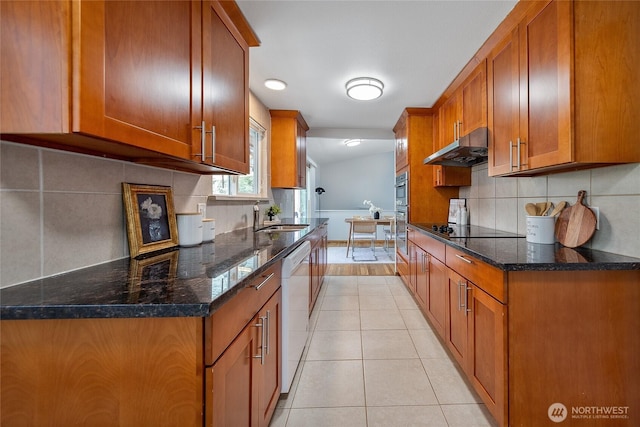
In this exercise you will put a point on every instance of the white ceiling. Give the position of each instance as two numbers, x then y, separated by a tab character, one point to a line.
415	47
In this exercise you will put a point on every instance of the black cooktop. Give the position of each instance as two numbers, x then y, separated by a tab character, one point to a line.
454	231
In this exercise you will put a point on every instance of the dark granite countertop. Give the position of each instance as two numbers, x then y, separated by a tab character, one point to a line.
516	254
186	282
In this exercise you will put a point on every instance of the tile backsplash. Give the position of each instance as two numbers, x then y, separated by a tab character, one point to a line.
62	211
499	202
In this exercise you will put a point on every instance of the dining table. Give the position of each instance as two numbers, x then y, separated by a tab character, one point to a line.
382	221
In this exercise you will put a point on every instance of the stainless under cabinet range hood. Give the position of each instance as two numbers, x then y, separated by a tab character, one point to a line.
466	151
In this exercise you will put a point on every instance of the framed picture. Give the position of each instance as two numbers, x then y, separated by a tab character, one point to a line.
151	219
151	279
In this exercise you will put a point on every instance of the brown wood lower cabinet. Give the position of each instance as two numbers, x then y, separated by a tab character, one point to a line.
222	370
243	385
528	339
317	263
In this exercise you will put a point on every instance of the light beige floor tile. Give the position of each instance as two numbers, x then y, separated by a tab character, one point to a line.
471	415
328	417
405	302
427	344
397	382
448	383
387	416
340	302
397	288
330	384
338	288
286	399
414	319
341	280
279	418
388	344
335	345
380	289
339	320
393	280
372	280
377	302
381	319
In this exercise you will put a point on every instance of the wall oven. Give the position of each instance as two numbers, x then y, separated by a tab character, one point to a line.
402	204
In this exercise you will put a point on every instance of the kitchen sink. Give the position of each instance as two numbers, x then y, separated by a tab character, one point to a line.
283	227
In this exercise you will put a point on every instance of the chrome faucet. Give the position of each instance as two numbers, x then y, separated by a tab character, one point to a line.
256	215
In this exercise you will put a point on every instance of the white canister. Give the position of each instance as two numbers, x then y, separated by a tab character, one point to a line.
208	229
540	229
189	228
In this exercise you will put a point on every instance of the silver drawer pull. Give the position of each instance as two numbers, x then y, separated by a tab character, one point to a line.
257	287
468	261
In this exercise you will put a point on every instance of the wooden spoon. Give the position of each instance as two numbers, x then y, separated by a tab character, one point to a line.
531	209
541	206
559	207
547	208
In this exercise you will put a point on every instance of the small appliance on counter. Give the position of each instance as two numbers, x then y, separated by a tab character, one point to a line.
189	228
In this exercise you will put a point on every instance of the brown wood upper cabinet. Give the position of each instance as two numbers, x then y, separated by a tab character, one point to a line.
288	149
466	109
154	82
563	89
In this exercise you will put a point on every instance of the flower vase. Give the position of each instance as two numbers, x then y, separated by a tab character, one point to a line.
376	215
155	232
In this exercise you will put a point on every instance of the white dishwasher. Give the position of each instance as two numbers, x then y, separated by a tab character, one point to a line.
295	311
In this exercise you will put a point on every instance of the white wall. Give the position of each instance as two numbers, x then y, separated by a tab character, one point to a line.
348	183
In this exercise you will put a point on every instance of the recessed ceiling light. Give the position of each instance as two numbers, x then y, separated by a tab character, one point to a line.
275	84
352	142
364	88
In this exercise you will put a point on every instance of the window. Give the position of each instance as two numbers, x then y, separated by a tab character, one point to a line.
252	184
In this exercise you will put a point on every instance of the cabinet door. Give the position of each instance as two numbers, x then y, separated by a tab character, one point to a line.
402	159
545	86
314	267
449	119
413	265
487	351
231	391
124	89
301	150
225	101
456	334
422	277
474	100
504	107
437	294
270	370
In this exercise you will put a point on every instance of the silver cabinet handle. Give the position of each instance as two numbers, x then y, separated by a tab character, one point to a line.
262	336
257	287
454	131
466	300
460	305
468	261
213	144
203	139
510	155
268	340
518	148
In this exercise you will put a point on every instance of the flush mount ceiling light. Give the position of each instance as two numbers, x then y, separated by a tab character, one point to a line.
275	84
364	88
352	142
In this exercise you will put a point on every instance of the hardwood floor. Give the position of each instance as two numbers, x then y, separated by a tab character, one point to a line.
359	269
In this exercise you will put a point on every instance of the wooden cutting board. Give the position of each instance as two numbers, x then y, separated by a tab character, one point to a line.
576	224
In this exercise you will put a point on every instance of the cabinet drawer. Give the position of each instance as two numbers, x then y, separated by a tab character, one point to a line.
428	244
225	324
486	277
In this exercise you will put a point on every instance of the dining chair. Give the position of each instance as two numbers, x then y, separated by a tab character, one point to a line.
363	230
389	234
